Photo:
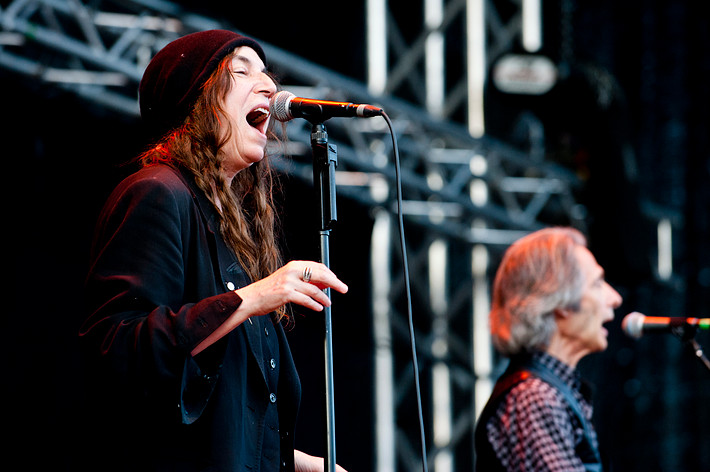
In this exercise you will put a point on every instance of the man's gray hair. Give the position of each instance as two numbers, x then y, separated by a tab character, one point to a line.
539	274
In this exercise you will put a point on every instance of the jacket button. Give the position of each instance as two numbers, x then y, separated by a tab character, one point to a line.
272	398
230	286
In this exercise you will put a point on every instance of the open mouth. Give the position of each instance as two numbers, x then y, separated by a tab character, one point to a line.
257	117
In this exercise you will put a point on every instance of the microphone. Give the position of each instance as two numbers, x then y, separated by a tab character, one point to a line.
285	106
636	324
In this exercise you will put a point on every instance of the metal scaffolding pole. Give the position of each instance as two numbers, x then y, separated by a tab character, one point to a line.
376	18
476	65
441	394
434	54
381	273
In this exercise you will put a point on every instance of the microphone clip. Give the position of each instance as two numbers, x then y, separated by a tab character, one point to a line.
686	333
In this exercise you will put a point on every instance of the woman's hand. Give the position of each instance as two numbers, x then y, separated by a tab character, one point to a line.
306	463
299	282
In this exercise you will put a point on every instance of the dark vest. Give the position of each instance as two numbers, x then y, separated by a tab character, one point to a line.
486	459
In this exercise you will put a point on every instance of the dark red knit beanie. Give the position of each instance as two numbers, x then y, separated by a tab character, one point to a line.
173	80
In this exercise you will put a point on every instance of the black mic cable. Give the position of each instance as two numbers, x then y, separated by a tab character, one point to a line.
402	242
286	106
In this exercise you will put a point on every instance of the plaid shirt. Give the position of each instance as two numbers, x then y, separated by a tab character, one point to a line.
533	428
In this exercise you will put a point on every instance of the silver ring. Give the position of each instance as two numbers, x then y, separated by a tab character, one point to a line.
306	274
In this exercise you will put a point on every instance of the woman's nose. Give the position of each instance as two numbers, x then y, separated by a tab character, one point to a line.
267	85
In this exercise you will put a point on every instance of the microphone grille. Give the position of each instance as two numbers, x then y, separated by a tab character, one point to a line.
280	105
632	325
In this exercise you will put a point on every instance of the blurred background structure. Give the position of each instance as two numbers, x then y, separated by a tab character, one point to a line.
510	115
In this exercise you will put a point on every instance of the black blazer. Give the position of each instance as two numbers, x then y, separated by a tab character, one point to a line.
161	280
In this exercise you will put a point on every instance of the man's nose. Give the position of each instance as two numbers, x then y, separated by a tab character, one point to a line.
615	298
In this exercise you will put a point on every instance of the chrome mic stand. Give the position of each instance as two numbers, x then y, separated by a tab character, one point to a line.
325	159
686	333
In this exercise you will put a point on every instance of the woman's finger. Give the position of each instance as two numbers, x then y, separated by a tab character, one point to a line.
320	275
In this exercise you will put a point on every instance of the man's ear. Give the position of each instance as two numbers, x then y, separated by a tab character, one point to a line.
562	313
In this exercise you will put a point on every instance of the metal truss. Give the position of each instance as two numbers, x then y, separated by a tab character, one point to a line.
482	187
465	198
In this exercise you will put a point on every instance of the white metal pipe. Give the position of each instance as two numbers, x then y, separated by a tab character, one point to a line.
476	64
380	267
376	18
531	25
434	57
442	409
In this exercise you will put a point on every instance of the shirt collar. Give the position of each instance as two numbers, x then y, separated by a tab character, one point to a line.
565	372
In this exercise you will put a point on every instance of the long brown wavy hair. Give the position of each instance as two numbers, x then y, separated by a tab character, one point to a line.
248	220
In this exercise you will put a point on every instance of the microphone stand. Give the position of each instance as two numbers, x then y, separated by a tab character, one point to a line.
698	352
686	333
325	159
